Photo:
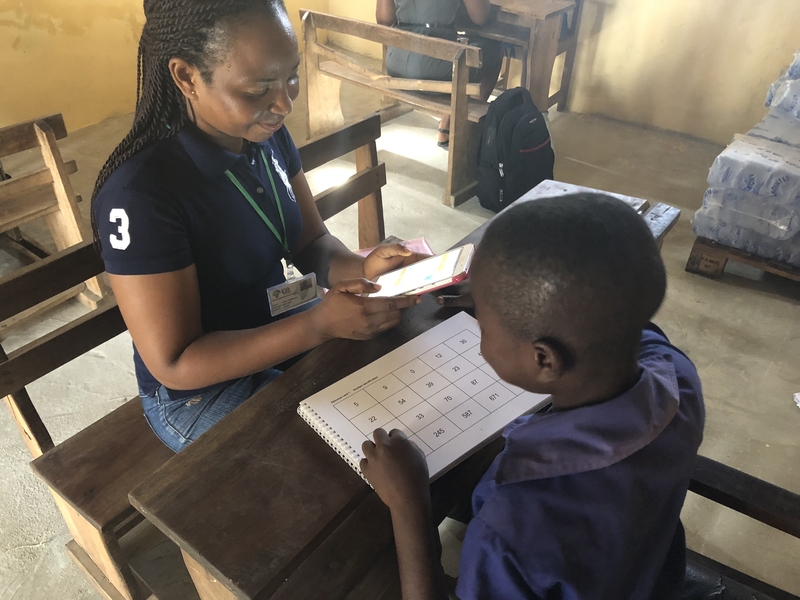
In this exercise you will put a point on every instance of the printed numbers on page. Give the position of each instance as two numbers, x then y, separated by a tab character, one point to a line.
120	217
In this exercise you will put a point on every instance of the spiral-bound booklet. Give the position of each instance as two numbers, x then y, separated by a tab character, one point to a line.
436	388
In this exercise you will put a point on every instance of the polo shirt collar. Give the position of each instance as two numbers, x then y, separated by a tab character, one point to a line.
210	158
556	443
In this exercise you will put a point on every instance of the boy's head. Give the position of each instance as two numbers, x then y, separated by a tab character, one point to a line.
562	289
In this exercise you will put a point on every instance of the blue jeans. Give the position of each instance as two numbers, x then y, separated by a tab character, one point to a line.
178	423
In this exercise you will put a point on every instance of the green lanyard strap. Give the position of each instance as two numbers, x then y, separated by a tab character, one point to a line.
283	240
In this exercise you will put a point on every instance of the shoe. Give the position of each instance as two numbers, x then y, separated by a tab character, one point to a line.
446	143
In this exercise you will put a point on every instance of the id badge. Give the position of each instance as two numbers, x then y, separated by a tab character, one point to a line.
291	294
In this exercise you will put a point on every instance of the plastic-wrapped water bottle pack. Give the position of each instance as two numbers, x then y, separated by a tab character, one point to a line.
753	202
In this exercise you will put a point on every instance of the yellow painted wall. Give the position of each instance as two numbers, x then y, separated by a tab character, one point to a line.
363	10
293	7
696	66
76	57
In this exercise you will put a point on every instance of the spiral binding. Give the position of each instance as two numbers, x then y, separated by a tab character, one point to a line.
333	439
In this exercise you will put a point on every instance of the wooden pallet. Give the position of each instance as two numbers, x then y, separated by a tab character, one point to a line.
709	258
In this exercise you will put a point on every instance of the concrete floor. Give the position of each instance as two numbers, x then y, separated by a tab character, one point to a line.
742	331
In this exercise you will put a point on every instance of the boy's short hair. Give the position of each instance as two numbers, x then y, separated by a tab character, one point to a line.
582	272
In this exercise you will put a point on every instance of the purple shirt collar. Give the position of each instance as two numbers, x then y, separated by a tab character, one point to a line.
584	439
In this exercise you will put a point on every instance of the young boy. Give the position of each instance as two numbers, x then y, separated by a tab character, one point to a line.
584	501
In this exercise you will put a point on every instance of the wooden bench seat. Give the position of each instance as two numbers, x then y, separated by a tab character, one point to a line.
91	474
96	468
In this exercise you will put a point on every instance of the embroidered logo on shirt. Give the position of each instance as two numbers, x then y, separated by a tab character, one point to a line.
284	177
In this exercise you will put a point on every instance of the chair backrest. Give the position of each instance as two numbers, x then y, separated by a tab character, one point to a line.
364	187
394	37
24	289
387	37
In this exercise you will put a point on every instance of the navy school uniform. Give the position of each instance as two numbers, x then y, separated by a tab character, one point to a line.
585	504
171	205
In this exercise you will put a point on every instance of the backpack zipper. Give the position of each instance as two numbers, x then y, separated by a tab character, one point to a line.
502	174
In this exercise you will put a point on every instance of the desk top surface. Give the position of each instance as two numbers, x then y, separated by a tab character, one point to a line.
536	9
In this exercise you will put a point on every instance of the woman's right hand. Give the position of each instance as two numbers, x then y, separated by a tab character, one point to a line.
344	314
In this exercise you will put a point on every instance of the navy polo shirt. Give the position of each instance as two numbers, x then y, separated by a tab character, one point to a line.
585	504
171	205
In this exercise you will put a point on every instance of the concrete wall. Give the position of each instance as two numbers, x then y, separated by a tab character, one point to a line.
701	67
696	66
363	10
76	57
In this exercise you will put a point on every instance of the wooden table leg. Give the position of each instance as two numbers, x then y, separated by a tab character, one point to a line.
462	153
208	587
542	51
324	112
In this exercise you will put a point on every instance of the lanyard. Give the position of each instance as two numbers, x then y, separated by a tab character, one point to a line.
283	240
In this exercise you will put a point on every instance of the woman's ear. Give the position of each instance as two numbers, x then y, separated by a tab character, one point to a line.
185	76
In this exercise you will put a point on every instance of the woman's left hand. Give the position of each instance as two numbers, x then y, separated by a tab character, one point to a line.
388	257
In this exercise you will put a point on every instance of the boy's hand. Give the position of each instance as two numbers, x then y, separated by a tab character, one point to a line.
396	468
457	296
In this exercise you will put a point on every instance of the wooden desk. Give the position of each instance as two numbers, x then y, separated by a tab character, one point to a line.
261	507
534	28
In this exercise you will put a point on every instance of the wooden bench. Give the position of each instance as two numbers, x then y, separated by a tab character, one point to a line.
326	67
91	473
750	496
42	193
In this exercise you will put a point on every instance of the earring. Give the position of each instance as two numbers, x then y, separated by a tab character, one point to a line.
193	93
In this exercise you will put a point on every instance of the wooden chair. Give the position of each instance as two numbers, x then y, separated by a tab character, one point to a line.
538	61
326	67
43	193
91	473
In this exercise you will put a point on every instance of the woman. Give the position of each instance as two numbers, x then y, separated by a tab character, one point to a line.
439	18
200	202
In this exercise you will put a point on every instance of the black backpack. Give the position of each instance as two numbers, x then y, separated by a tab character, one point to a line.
515	153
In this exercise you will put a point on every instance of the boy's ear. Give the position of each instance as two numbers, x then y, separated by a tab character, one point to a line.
549	360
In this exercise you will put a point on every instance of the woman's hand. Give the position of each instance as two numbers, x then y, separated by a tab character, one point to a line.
396	468
344	314
388	257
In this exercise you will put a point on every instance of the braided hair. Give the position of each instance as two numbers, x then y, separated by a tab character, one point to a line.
196	31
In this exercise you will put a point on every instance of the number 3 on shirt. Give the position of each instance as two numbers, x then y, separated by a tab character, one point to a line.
123	240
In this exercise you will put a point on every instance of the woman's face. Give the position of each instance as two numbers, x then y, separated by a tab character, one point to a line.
252	90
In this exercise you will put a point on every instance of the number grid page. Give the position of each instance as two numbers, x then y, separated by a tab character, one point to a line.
436	388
